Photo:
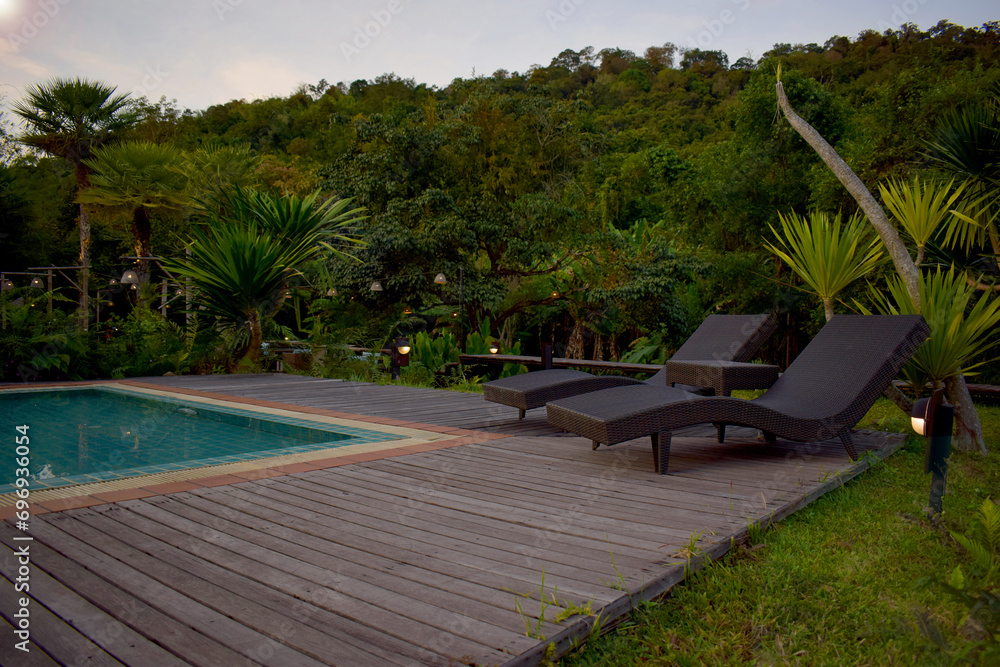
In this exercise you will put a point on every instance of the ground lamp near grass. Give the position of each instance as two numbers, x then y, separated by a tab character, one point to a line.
400	356
933	418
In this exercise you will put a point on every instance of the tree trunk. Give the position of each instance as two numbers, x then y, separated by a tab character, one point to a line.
901	400
598	347
574	347
141	234
256	337
968	430
83	182
905	267
828	309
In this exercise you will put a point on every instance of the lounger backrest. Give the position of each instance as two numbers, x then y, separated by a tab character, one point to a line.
727	338
847	366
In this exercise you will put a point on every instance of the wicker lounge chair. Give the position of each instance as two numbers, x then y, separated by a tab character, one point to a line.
824	393
720	337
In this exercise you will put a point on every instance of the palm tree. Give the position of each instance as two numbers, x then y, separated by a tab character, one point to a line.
966	143
827	255
69	118
241	259
140	177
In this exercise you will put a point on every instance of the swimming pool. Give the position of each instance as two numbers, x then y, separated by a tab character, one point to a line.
93	434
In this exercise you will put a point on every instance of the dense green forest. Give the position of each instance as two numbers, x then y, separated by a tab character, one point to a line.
602	199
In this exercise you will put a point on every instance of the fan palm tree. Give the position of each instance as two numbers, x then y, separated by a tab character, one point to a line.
140	177
966	143
69	118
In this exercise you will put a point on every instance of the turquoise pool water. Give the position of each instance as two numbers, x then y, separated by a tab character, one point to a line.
99	434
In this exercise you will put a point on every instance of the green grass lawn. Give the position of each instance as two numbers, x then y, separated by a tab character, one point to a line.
856	578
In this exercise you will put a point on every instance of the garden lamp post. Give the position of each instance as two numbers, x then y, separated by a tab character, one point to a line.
933	418
441	279
400	355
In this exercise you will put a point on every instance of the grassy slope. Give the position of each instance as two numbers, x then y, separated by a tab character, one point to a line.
834	584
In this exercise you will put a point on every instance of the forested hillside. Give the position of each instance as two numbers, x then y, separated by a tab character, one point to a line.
604	196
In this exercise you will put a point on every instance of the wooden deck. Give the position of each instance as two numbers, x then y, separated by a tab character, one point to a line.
413	560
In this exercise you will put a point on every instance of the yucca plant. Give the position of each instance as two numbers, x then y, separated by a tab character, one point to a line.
959	333
244	253
827	254
921	206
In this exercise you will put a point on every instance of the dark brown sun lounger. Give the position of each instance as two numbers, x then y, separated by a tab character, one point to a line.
720	337
823	394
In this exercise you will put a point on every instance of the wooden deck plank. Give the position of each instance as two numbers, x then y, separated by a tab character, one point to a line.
309	549
414	537
443	519
283	626
386	648
538	511
492	487
344	596
264	524
455	554
246	642
49	631
11	655
178	638
76	613
369	550
157	538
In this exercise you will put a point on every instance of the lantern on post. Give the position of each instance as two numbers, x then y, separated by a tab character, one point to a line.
400	356
933	418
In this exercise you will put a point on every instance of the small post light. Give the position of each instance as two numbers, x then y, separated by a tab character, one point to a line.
331	292
130	277
400	356
376	286
407	310
113	282
555	295
933	418
7	284
494	348
37	283
439	279
403	345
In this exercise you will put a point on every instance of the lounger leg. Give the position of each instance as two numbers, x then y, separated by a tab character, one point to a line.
594	444
721	428
661	451
845	437
520	413
769	437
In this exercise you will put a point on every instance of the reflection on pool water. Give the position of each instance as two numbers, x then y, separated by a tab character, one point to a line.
98	434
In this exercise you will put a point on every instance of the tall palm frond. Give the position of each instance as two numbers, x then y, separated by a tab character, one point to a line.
959	332
69	118
827	255
921	206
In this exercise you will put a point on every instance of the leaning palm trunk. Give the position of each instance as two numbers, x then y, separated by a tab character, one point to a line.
968	430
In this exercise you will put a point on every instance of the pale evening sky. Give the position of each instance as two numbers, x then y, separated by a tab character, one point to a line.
204	52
